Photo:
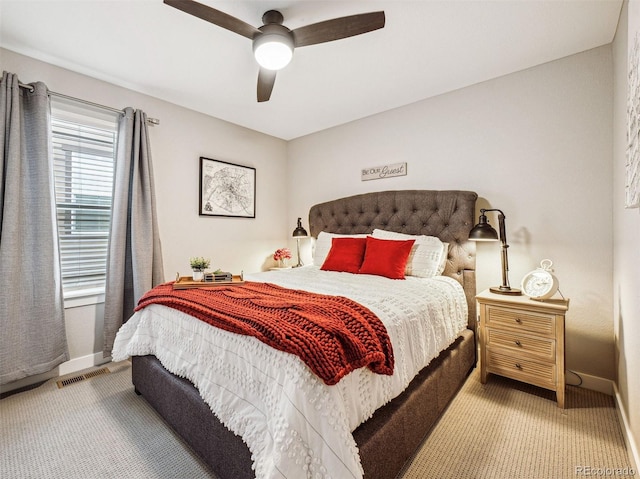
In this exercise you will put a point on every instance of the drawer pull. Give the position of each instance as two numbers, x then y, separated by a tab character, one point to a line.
518	366
518	320
518	343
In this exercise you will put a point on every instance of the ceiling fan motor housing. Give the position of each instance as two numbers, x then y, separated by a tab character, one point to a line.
272	16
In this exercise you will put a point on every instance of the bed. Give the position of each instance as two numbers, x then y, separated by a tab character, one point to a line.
387	439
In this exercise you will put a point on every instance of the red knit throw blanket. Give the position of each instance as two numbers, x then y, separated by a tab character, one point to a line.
333	335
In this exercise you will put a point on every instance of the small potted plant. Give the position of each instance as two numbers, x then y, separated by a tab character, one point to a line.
198	265
281	256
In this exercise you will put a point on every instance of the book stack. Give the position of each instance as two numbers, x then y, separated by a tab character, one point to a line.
220	276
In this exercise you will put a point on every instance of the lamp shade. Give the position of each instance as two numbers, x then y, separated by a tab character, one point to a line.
300	232
483	231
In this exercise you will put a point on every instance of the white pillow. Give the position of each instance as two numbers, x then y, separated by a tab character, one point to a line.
323	245
428	255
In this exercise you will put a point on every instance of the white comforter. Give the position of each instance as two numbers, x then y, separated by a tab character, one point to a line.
294	425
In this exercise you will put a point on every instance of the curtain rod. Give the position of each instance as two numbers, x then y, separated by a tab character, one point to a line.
150	121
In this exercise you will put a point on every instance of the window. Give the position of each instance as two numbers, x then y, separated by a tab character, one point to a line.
84	144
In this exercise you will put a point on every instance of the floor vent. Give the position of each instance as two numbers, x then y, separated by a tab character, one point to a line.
76	379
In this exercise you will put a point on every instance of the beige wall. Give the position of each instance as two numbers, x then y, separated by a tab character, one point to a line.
536	144
626	228
183	136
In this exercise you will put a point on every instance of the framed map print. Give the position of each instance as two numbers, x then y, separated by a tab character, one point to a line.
227	189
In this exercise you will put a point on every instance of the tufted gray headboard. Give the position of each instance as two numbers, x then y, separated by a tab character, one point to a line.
449	215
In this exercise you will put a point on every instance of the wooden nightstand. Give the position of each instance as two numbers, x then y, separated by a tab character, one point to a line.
523	339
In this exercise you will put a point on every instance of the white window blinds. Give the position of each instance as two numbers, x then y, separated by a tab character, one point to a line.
84	142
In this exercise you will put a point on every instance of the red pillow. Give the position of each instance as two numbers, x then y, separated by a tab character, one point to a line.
345	255
386	257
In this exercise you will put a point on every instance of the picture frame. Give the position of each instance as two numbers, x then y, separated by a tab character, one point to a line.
226	189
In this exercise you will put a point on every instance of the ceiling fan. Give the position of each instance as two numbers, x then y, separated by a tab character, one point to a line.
273	43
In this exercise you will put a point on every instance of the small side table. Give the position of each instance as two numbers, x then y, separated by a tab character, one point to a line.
523	339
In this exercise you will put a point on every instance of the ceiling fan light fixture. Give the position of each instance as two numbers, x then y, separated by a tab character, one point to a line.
273	55
273	50
273	43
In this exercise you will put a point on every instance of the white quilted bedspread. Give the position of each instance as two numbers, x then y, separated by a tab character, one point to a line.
294	425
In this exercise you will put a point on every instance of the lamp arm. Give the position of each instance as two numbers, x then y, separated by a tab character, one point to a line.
298	250
503	240
504	256
503	230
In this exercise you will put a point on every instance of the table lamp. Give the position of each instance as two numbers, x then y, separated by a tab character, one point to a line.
483	231
298	233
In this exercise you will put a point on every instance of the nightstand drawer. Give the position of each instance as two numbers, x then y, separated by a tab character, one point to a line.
520	320
533	372
522	344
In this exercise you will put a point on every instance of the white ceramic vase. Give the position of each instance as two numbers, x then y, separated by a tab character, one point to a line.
198	275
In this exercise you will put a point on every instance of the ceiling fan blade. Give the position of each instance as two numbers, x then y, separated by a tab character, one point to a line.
214	16
338	28
266	79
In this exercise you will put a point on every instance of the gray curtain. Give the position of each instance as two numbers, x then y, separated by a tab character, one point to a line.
32	330
134	263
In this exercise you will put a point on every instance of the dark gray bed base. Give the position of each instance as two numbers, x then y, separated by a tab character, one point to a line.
397	428
392	435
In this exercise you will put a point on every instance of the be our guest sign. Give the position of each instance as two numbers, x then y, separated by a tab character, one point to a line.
385	171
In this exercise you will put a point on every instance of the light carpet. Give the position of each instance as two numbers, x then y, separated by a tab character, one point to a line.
511	430
99	428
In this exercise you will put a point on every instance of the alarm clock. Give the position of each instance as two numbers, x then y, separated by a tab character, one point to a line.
540	283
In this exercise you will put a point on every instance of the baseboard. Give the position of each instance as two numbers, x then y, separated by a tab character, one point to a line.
83	362
595	383
629	440
610	388
68	367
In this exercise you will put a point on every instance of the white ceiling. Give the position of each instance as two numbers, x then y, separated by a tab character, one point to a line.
427	48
